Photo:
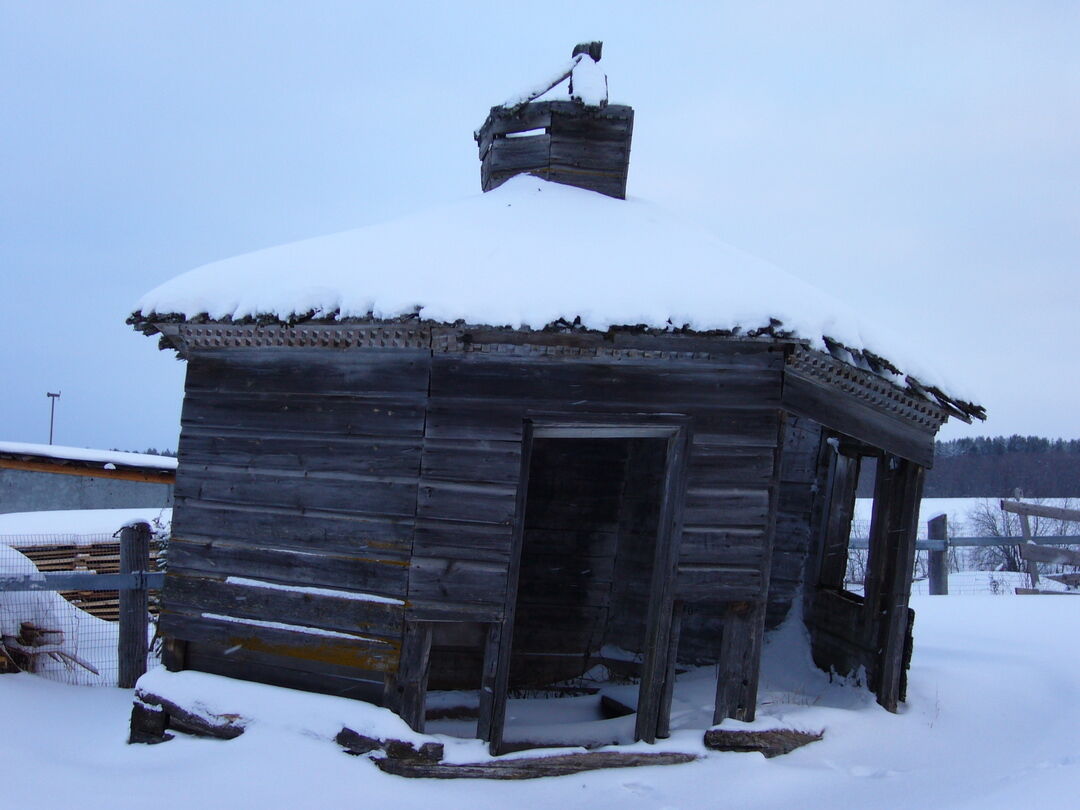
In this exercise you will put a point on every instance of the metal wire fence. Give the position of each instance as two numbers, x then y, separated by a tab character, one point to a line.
66	629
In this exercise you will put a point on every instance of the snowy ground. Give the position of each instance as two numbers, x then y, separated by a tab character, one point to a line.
991	720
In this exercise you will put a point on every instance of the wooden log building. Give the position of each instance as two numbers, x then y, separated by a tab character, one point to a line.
376	507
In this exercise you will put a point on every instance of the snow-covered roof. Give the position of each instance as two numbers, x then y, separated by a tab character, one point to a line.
82	454
79	526
528	254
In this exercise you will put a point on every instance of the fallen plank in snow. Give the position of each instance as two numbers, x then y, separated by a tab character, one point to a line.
529	767
771	743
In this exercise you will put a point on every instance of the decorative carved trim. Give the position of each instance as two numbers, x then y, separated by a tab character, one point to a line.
865	386
843	377
336	336
586	352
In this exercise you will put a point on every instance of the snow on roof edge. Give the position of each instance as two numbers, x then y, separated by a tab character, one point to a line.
507	258
103	457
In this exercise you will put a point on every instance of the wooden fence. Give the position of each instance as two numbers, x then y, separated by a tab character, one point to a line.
1033	549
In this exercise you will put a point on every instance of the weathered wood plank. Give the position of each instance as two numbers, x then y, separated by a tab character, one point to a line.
221	659
530	767
298	489
1048	554
480	462
382	576
739	647
727	507
465	541
458	581
472	502
1040	510
840	509
383	456
719	467
194	595
309	645
638	385
289	528
269	415
312	370
718	583
891	559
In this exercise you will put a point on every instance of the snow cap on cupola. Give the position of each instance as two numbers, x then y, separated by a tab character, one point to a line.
580	140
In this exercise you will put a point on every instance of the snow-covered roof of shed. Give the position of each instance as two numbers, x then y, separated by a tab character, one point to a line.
528	254
117	458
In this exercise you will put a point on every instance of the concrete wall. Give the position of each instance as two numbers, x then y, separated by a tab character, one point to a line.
25	491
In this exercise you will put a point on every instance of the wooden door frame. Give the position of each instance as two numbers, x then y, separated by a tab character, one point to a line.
651	701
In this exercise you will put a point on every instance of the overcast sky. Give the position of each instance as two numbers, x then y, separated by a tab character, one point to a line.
919	160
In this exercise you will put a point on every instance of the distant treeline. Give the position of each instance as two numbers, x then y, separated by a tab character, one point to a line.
994	467
150	451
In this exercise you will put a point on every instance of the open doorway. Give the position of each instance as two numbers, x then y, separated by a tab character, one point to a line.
587	654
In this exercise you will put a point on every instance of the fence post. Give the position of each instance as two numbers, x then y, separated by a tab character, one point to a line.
134	608
1032	566
938	561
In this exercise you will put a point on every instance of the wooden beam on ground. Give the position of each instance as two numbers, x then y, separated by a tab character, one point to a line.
530	767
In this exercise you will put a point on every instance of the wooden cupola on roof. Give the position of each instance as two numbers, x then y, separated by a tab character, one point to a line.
583	141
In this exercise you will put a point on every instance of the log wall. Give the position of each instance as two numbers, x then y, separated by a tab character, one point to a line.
298	468
342	510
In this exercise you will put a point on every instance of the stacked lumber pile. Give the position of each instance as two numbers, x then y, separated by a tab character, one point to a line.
100	558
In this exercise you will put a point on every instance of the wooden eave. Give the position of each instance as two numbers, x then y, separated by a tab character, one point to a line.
93	469
813	377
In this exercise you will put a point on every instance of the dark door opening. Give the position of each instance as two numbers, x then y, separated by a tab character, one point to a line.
585	658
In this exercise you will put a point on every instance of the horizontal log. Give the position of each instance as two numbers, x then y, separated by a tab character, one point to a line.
347	612
457	581
342	650
299	489
383	456
311	370
271	415
467	541
712	467
478	462
306	530
710	583
734	546
378	575
478	503
726	507
636	385
292	673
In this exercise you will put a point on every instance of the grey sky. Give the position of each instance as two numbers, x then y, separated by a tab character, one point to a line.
919	160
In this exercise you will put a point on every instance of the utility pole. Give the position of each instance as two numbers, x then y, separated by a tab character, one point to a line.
52	411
